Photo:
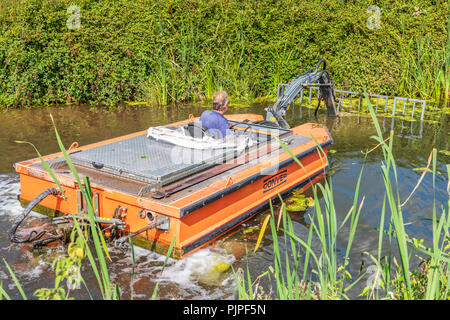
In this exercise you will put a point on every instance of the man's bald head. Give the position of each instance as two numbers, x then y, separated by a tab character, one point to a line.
220	101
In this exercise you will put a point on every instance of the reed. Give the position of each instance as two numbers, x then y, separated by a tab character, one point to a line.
329	270
178	51
425	69
97	257
438	258
325	275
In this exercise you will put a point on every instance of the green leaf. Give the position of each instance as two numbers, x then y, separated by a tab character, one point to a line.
19	287
45	165
261	233
169	252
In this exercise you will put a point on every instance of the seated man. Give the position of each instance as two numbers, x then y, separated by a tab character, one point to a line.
213	119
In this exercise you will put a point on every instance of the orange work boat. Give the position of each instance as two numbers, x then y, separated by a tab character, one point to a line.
156	189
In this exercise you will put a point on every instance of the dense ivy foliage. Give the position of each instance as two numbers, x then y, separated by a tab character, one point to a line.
184	50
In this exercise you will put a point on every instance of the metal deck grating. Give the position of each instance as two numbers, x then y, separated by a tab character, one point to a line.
151	162
147	160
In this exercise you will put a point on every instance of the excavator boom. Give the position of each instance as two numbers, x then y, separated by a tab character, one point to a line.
313	77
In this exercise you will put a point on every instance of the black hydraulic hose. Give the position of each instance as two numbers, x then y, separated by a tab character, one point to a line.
33	237
319	63
317	108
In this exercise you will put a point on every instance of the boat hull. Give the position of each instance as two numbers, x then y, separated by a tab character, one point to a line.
199	214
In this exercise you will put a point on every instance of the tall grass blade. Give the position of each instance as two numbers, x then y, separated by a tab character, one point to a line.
262	231
19	287
169	252
97	236
283	145
3	292
46	166
394	202
132	265
66	156
90	256
277	259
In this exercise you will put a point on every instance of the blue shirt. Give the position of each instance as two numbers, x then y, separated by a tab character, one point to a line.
215	121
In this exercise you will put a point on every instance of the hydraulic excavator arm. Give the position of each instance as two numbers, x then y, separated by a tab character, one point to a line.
313	77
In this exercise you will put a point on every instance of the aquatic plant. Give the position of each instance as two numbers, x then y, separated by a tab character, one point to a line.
68	267
425	70
325	274
299	202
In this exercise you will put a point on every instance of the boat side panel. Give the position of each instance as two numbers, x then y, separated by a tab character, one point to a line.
228	208
135	221
31	187
106	206
307	130
216	234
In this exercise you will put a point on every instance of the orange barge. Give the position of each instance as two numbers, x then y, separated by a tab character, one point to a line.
195	200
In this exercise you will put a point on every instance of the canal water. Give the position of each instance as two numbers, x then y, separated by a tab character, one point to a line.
206	273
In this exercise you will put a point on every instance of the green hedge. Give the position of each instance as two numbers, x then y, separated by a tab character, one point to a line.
184	50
